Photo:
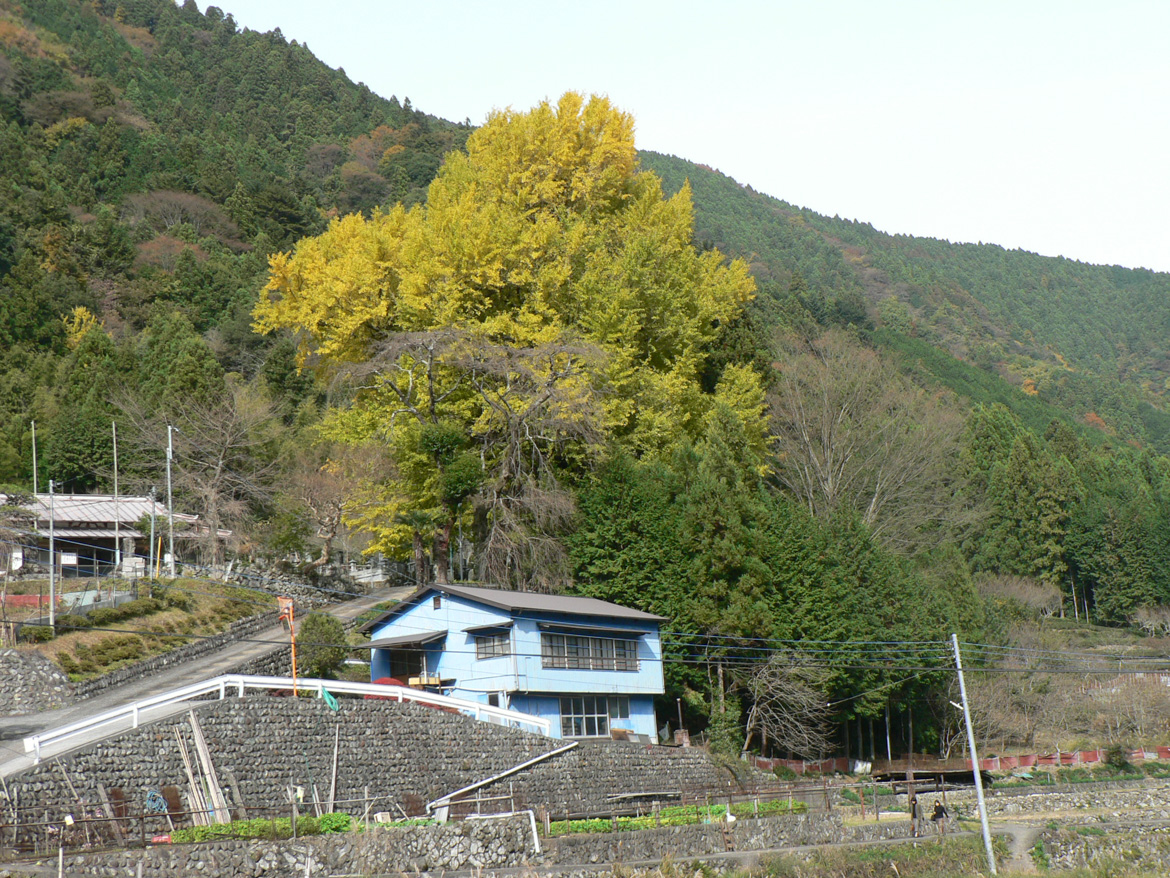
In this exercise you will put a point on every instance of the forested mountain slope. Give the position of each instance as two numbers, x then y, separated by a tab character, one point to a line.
528	359
1093	340
152	157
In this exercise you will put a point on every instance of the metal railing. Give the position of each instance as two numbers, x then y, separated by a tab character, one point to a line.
240	683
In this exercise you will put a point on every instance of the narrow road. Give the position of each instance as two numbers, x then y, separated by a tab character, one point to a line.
14	728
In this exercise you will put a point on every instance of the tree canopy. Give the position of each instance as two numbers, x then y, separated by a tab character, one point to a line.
545	299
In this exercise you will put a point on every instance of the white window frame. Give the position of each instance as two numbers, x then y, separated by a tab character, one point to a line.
592	716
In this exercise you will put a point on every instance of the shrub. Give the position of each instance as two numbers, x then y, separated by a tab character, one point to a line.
1117	758
130	610
335	823
36	633
320	649
68	665
71	620
178	601
116	649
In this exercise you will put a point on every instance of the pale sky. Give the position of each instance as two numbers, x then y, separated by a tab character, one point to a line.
1039	125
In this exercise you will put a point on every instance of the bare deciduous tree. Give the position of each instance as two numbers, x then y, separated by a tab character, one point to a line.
323	480
164	209
1041	598
1129	709
788	705
1153	621
852	432
224	454
539	402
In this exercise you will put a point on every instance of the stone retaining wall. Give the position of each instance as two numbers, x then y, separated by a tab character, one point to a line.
29	682
583	780
276	663
404	754
698	840
1150	799
491	843
1140	847
475	844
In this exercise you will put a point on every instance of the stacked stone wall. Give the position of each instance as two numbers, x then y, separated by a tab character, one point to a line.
698	840
29	682
479	846
1096	846
275	663
403	755
1146	799
590	778
473	845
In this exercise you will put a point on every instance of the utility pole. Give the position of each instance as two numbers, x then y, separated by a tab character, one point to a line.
170	506
150	572
34	438
52	562
974	758
117	516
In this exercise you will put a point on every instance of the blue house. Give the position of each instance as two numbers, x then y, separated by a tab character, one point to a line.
588	666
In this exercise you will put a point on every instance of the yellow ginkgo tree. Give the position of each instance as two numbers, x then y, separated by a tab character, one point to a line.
546	300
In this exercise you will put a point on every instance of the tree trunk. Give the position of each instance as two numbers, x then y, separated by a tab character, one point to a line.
420	559
749	730
325	557
442	552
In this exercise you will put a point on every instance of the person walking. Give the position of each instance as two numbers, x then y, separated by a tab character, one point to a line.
939	816
914	815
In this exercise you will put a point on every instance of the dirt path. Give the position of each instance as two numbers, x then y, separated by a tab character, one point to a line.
1023	840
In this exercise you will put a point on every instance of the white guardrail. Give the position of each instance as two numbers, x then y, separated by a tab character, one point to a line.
238	684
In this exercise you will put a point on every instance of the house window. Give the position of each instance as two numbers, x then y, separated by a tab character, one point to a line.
437	602
406	663
591	716
492	645
588	653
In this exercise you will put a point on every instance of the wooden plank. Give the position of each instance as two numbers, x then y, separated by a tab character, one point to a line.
109	812
215	792
333	779
195	792
237	797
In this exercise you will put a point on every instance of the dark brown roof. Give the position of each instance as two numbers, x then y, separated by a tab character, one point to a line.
521	601
419	638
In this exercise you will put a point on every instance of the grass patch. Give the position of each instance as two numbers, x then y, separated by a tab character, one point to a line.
678	815
1156	769
952	857
261	828
173	615
1040	856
